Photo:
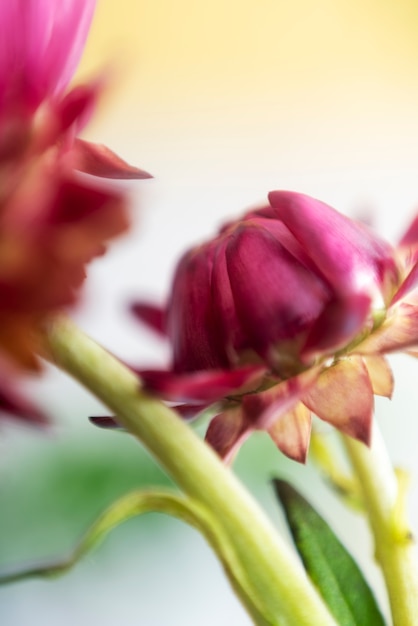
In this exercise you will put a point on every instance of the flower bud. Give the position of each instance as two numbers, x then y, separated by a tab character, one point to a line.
280	286
286	313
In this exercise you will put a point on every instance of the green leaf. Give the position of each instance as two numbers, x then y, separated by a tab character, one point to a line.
330	567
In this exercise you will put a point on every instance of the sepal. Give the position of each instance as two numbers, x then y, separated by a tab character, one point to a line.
98	160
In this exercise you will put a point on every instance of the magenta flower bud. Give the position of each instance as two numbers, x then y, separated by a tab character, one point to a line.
301	281
286	313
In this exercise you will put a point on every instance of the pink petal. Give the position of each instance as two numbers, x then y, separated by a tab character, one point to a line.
340	321
98	160
227	432
76	108
276	297
399	332
151	315
410	238
41	45
60	47
351	257
263	409
192	325
408	285
343	396
291	432
202	386
232	334
380	374
283	235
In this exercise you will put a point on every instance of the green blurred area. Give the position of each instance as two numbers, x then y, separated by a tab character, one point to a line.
49	498
52	493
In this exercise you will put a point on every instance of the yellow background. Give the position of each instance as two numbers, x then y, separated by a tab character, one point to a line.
277	86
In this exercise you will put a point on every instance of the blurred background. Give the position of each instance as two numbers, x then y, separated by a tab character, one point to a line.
222	102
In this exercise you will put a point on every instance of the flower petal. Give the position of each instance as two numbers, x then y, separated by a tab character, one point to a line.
291	432
399	332
343	396
263	409
75	110
337	325
230	329
351	257
408	285
201	386
41	45
276	298
151	315
410	237
98	160
227	432
380	374
105	421
192	325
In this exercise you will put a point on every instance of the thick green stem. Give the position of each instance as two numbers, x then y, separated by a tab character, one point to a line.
395	547
275	576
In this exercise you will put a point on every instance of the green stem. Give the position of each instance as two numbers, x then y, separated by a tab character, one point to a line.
278	583
395	547
138	503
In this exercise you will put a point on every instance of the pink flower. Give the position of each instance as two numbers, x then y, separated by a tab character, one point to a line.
287	312
53	220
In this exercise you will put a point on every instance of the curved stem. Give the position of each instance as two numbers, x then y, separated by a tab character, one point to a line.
278	583
395	547
138	503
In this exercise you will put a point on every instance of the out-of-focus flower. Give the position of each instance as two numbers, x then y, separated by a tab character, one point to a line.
53	220
287	312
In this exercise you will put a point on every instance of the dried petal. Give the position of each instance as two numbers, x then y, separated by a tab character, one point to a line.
291	432
263	409
398	332
343	396
227	432
380	374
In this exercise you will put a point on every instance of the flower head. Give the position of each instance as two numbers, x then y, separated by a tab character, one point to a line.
286	312
53	220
